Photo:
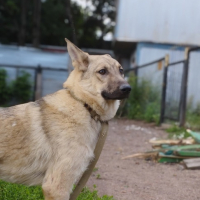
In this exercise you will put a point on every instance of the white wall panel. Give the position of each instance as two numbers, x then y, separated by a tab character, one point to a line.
160	21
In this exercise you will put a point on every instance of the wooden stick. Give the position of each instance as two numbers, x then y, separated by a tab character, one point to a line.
141	155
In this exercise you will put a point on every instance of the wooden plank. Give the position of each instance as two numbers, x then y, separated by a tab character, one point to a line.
163	158
173	142
162	155
192	160
169	160
192	165
187	153
189	147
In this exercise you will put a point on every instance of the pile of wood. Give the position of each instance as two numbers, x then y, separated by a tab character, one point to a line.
185	151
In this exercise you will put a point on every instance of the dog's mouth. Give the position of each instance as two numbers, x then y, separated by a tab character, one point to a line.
121	93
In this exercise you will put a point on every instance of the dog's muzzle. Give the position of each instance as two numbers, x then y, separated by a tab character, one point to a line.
121	93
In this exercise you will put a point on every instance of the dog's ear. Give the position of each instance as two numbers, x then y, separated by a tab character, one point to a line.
79	58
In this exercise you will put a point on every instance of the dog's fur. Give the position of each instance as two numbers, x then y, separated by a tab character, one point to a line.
50	142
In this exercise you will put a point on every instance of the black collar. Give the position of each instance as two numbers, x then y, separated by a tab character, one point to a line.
93	114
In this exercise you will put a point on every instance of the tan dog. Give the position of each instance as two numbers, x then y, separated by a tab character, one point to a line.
50	142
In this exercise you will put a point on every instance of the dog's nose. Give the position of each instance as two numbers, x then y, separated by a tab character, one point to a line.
125	88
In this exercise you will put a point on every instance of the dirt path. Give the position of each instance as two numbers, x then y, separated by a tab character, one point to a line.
137	179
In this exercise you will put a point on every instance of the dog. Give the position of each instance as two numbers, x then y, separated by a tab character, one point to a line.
50	142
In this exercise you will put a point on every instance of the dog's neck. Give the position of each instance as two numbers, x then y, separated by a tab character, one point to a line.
102	112
92	112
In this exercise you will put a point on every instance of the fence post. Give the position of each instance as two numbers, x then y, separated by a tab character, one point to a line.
38	83
184	89
34	85
164	87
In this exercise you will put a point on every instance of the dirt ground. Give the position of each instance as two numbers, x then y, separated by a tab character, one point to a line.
137	179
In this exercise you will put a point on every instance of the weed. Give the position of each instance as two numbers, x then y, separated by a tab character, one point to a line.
193	116
177	132
143	102
98	176
88	195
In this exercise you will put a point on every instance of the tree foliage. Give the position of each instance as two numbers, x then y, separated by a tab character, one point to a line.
101	19
55	23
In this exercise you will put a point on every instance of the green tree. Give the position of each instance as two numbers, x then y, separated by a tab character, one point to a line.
55	23
100	19
9	20
17	21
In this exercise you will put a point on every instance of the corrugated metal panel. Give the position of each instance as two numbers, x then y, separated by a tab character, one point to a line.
193	78
148	52
161	21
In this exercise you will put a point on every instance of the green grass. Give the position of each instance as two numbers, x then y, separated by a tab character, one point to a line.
177	132
10	191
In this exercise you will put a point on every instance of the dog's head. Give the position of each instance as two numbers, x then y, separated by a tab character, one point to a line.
98	74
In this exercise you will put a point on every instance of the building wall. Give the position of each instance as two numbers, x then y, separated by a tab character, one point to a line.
160	21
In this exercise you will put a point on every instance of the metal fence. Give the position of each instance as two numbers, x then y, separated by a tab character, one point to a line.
172	90
45	80
173	81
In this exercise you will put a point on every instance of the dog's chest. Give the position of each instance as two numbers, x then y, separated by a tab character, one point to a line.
70	124
82	133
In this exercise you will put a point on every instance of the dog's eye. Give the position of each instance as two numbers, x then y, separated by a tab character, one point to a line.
121	71
102	71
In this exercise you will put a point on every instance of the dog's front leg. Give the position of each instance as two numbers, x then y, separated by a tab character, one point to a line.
61	176
56	185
